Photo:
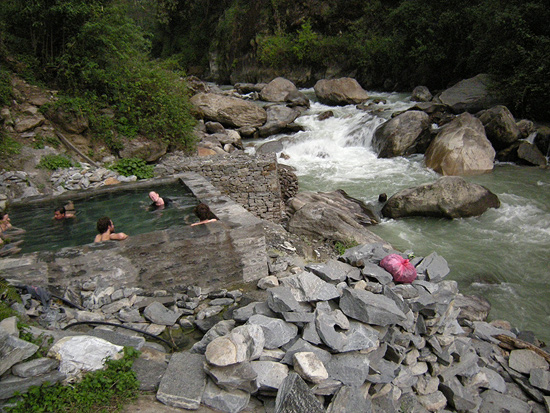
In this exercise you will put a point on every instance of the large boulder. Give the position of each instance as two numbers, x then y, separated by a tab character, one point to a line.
500	126
530	154
342	91
470	95
283	90
421	94
461	148
278	118
334	216
398	136
542	139
448	197
228	110
143	148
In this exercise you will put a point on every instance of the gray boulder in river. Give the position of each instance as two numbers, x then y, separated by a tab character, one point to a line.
334	216
343	91
227	110
448	197
470	95
461	148
402	135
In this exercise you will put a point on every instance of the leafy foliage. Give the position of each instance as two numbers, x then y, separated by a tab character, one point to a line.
53	162
42	341
101	390
5	88
133	166
341	247
8	296
99	55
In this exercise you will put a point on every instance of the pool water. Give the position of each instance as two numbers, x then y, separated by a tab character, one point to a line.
129	209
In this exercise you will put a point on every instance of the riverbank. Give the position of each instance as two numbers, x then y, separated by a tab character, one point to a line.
333	335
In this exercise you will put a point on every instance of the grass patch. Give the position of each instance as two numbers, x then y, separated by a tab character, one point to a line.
8	296
53	162
341	247
106	390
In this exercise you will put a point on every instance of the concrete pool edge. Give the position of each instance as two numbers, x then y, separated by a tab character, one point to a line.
231	251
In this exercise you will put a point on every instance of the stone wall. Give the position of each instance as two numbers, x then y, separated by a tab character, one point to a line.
231	251
253	182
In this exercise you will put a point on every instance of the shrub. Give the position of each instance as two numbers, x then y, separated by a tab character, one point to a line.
5	88
53	162
133	166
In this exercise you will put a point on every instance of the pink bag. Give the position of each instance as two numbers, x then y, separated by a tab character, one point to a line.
400	268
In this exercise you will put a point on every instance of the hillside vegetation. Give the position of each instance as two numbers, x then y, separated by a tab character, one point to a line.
129	56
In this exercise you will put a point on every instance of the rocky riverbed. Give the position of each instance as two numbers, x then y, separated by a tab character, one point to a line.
336	336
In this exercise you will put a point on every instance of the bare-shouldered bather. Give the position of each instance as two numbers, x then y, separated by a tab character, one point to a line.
106	228
203	213
61	213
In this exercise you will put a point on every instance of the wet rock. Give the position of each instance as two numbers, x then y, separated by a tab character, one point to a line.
309	367
218	330
500	126
22	385
184	381
349	400
402	135
276	331
370	308
281	299
35	367
270	374
240	376
303	346
342	91
231	401
294	396
448	197
472	307
459	397
359	255
377	273
433	402
229	111
268	282
159	314
421	94
351	368
149	373
461	148
470	95
277	90
526	360
493	401
334	271
540	378
13	350
244	343
308	287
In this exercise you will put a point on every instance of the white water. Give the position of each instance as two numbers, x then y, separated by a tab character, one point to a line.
503	255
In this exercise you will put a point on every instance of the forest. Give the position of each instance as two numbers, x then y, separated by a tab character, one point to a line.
131	55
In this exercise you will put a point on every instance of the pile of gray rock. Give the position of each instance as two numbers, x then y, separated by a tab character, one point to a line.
85	177
338	336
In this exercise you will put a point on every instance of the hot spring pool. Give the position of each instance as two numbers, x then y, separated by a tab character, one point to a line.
128	208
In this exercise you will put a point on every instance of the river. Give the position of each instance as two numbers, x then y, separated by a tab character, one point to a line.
503	255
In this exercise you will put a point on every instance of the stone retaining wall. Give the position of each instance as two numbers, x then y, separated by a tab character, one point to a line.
231	251
253	182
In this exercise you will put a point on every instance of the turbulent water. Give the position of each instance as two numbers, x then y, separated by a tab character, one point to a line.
503	255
